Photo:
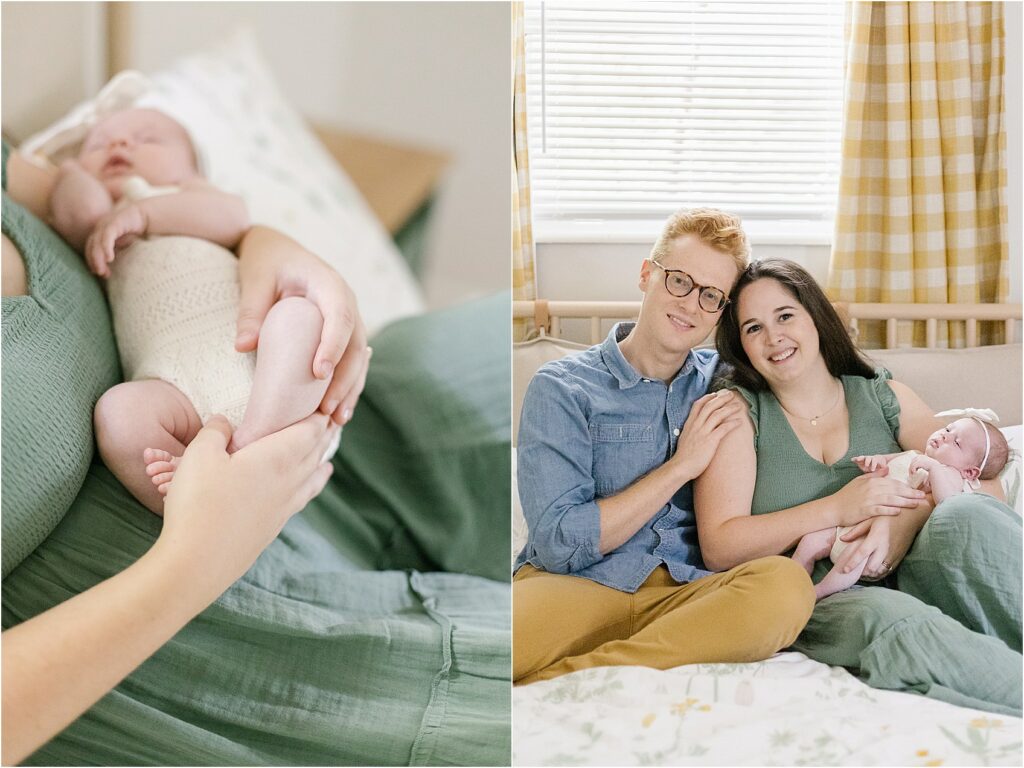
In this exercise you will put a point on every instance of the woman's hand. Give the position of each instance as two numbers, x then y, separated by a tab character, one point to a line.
222	510
711	418
871	495
272	266
899	535
871	541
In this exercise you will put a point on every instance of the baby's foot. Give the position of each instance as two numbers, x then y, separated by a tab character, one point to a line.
836	581
160	466
814	547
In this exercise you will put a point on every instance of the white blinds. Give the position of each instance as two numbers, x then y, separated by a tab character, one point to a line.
638	109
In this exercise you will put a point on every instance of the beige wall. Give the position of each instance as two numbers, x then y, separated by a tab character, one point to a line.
51	60
434	74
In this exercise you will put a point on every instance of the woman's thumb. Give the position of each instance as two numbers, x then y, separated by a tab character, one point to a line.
215	434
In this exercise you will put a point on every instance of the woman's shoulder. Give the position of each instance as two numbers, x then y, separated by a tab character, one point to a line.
874	387
878	392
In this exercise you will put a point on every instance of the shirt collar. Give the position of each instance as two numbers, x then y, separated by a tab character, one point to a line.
628	376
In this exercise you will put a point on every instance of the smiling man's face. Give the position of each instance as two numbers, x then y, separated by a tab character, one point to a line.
677	324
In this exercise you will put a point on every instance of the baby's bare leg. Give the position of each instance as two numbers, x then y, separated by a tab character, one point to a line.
284	389
137	415
836	581
813	547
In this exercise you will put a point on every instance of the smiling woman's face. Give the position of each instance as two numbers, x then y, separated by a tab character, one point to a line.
777	332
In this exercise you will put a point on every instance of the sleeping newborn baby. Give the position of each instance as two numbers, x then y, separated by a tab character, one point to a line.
135	204
955	458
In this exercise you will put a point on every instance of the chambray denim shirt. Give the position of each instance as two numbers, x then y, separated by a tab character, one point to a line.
591	425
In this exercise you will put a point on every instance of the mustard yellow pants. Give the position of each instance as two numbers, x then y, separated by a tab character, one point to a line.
565	623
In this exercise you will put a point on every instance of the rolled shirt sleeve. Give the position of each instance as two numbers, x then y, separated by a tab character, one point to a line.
556	482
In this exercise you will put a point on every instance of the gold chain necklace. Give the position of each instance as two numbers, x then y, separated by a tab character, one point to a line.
814	419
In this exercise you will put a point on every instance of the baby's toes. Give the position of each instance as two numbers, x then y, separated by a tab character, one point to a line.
163	478
155	468
155	454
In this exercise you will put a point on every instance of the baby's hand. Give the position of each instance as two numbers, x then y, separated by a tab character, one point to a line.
924	465
870	463
927	463
118	229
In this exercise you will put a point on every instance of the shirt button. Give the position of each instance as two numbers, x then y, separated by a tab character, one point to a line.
675	432
647	381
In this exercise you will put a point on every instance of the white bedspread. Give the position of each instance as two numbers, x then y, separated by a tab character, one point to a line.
788	710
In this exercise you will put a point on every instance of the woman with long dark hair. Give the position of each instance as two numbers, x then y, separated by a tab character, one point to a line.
946	620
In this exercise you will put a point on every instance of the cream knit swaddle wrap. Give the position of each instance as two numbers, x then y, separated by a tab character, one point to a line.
174	302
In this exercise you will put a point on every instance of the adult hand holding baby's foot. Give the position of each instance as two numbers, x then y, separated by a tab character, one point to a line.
223	509
272	266
118	229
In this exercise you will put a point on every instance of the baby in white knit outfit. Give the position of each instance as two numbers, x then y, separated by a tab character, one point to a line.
135	204
955	458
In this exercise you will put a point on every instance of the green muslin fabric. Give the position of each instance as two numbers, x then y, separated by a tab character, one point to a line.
346	643
58	358
951	630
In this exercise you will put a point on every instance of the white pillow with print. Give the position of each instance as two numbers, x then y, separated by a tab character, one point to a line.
252	143
1010	475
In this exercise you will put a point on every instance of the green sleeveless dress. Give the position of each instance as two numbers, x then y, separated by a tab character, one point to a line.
948	623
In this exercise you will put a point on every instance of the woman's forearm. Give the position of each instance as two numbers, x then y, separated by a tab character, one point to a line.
907	525
59	663
743	538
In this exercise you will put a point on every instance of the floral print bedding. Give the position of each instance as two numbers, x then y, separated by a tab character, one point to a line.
788	710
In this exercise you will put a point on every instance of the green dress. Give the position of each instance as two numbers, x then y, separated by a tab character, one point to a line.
374	631
948	624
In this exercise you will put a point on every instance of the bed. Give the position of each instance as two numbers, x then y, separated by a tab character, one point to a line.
787	710
375	629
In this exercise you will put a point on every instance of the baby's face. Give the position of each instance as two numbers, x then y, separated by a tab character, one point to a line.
960	445
138	142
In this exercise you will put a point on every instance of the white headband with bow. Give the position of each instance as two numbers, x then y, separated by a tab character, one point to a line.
981	415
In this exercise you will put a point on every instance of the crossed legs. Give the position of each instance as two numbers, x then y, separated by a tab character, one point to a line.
565	623
142	427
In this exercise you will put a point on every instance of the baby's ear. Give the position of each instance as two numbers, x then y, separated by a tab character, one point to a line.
971	473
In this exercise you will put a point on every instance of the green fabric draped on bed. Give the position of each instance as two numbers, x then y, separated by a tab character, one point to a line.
374	630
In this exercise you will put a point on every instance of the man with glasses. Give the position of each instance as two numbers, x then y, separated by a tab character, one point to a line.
609	442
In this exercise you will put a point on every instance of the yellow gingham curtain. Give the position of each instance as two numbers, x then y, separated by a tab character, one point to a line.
922	211
523	281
